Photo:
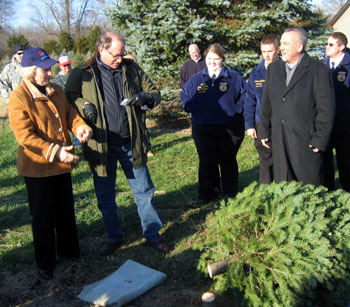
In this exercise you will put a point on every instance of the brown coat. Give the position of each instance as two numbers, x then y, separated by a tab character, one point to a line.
40	124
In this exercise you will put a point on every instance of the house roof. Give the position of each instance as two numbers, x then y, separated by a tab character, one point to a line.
339	14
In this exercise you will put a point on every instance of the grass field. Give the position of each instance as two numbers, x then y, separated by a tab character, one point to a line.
174	172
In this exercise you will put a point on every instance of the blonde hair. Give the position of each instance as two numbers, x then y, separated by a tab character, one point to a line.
28	73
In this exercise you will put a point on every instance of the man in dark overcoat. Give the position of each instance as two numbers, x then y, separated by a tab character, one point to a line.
297	111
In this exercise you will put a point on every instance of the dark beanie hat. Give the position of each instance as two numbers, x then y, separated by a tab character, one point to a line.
18	47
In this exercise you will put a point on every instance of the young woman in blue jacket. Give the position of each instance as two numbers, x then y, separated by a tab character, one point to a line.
215	98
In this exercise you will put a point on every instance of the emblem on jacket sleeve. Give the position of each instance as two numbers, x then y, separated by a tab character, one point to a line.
223	86
341	76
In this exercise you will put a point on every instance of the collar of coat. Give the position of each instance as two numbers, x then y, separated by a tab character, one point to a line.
344	61
36	93
223	73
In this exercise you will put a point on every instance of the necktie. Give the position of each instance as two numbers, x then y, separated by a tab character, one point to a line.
333	68
213	77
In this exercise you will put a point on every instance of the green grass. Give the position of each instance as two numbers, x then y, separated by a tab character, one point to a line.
174	173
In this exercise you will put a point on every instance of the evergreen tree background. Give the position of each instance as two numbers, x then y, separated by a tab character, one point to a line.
159	32
50	46
92	38
16	39
66	42
81	45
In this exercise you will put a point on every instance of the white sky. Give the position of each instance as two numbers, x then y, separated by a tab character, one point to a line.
24	11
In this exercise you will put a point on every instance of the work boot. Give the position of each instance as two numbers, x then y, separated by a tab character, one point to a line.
109	248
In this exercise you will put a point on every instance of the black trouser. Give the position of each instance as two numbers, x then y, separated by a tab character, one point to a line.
265	158
218	146
340	140
53	220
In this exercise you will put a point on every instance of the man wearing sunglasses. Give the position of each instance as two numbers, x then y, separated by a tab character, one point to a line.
111	93
338	60
10	77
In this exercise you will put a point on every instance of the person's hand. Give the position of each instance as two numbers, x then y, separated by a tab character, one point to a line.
90	112
65	156
314	149
252	133
141	99
264	143
83	134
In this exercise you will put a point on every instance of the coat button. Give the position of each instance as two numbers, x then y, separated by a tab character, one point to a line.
60	129
57	115
282	121
284	99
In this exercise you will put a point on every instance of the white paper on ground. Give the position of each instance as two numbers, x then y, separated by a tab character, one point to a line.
131	280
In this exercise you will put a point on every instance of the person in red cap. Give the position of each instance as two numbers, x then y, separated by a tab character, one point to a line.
65	67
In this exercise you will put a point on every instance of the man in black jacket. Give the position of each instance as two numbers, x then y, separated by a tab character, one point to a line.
297	111
195	64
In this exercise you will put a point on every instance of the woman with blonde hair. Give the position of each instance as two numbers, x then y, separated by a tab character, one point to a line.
40	117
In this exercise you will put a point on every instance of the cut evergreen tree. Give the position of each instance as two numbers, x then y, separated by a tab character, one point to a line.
287	245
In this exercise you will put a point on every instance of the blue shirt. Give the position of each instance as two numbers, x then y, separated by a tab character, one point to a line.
252	103
216	101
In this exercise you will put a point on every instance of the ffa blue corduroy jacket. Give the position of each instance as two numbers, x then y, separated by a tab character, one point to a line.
341	84
216	101
253	98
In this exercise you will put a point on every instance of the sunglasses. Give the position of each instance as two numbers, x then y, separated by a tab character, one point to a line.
329	44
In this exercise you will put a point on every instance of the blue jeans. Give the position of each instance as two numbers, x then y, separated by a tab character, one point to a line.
141	186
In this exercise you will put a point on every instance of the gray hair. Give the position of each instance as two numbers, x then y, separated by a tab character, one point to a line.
28	72
105	39
302	34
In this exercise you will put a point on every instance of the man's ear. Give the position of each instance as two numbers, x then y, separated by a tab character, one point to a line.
300	47
342	48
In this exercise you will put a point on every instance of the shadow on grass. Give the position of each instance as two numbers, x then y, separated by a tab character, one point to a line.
8	163
164	145
11	181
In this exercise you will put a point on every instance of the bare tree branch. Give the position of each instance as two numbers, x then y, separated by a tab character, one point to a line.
69	15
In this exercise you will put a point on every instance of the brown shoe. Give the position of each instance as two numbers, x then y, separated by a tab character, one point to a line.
110	247
159	246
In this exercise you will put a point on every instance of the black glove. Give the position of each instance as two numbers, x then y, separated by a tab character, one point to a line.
90	112
141	99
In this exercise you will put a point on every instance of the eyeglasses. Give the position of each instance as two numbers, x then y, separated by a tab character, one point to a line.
329	44
117	56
